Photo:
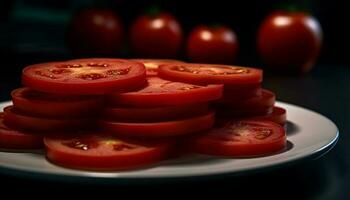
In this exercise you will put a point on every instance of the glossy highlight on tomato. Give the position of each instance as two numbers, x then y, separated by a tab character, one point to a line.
156	36
289	41
212	44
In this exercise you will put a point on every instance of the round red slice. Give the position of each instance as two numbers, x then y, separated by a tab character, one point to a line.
24	121
85	76
278	115
153	64
160	129
210	74
55	105
160	92
99	151
241	92
241	139
134	114
13	139
260	105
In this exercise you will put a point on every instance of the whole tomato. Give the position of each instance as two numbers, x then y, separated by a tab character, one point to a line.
94	31
217	44
289	41
158	35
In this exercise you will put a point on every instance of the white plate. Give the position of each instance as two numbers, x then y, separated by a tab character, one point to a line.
309	134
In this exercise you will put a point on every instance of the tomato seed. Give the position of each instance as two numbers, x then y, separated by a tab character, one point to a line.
122	147
81	144
92	76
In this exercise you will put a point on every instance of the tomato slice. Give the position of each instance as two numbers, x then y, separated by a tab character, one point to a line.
278	115
160	129
26	122
241	139
153	64
210	73
13	139
85	77
55	105
157	114
260	105
100	151
241	92
161	92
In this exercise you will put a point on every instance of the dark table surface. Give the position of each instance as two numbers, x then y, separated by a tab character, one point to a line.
324	90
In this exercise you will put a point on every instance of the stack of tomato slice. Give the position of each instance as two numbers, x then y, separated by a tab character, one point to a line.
242	95
107	114
161	109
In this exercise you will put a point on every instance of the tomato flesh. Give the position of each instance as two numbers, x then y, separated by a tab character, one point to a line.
14	139
85	77
101	151
153	64
242	139
161	92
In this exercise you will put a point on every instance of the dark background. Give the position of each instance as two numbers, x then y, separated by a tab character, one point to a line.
34	31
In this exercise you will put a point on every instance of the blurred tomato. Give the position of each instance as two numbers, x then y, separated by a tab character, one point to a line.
290	41
217	44
94	31
158	36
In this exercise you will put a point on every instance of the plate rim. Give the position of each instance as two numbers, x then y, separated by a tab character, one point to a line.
25	172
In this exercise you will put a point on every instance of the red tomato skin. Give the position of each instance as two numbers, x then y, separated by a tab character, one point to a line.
157	36
289	41
212	45
94	31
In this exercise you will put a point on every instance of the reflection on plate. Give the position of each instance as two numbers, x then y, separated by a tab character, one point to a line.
309	135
